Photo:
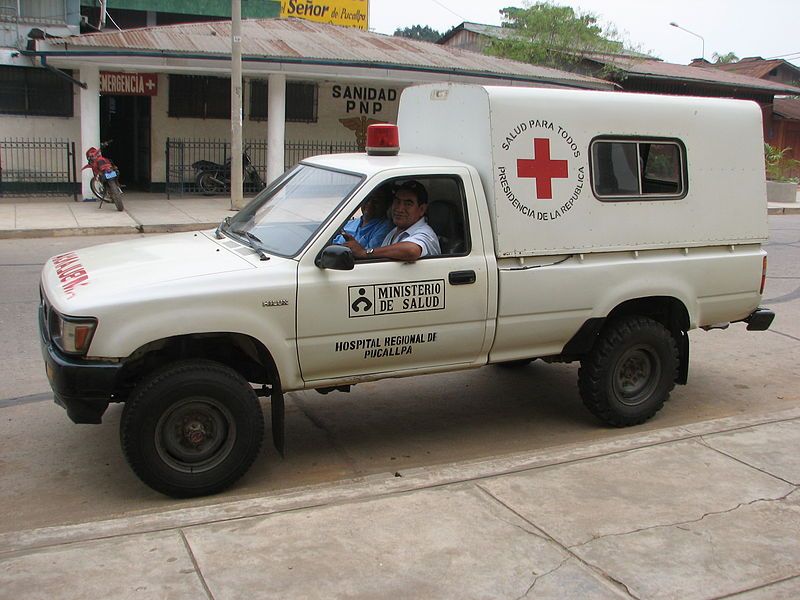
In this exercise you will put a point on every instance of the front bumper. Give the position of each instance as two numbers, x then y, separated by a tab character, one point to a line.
83	387
760	319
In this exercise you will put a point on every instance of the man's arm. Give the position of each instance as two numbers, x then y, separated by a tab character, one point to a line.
405	251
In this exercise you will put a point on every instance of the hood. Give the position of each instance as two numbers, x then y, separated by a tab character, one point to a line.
138	267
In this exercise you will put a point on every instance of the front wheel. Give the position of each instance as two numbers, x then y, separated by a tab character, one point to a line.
630	371
116	194
98	188
192	429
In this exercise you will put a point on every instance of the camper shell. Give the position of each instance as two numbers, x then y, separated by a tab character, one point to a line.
550	160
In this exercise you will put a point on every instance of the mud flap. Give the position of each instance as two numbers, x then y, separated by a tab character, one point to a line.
276	400
683	354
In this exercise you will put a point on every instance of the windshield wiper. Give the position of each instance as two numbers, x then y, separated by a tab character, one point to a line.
254	238
218	233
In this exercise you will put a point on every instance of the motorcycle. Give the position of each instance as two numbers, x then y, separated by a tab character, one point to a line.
214	178
105	177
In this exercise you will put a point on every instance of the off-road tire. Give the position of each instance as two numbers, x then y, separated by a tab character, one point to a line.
628	375
116	194
192	428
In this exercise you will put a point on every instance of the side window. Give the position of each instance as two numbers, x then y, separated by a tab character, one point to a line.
638	169
446	212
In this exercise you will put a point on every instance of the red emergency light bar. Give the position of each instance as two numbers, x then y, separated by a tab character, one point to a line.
383	139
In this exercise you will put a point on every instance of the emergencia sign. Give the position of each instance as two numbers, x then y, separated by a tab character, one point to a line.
128	84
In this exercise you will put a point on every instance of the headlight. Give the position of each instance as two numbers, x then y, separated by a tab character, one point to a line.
73	335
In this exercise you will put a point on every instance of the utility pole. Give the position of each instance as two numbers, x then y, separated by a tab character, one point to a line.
237	195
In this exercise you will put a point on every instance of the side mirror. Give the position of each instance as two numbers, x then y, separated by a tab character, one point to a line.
336	257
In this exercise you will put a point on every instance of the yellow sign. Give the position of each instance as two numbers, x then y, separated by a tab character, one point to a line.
348	13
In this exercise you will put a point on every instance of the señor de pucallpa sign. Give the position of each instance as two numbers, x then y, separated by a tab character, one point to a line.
347	13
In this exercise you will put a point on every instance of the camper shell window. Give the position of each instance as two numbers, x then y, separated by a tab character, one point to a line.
638	169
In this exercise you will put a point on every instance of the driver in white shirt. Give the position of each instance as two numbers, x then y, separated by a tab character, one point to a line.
412	237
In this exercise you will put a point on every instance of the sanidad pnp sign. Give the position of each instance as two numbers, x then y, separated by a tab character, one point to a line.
128	84
347	13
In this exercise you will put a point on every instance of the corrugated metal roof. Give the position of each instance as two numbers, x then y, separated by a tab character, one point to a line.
664	70
733	75
753	66
788	108
306	41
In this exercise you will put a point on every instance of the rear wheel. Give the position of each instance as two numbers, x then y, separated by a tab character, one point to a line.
192	429
116	193
630	371
208	185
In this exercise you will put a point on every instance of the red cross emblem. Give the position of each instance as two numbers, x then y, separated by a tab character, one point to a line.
542	169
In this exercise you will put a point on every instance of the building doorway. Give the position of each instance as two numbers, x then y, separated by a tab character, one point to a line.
126	121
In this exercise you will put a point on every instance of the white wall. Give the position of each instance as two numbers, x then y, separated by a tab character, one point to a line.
336	101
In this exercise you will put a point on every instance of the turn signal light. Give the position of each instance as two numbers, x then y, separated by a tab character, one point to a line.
383	139
763	275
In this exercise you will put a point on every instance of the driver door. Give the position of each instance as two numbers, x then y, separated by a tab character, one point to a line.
388	316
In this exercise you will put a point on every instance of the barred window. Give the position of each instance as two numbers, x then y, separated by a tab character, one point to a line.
301	101
32	91
199	97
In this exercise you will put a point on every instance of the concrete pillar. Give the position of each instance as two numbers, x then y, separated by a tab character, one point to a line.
276	125
90	121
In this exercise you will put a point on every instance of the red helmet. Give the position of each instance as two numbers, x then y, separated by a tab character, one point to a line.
92	153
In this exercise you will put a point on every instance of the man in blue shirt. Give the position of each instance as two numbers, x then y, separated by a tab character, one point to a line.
371	228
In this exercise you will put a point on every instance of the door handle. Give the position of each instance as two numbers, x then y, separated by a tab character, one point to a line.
461	277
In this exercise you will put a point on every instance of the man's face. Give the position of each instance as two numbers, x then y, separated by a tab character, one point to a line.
374	208
405	209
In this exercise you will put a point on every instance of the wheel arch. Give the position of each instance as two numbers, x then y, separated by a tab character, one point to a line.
670	311
243	353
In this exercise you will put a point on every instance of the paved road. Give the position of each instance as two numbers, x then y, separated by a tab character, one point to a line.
53	472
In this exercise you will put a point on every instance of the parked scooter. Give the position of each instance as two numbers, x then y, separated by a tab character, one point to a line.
105	179
214	178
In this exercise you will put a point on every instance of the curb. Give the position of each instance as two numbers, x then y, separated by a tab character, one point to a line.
788	210
16	234
373	486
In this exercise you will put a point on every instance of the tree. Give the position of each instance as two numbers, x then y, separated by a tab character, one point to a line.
553	36
724	59
418	32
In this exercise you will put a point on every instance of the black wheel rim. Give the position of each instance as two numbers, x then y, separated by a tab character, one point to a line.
195	435
636	375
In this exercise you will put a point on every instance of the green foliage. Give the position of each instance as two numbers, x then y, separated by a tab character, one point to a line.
779	166
725	59
418	32
553	36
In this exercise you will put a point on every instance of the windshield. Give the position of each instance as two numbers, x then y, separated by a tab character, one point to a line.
287	214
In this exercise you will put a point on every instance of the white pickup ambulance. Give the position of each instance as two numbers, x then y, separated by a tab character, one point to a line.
574	225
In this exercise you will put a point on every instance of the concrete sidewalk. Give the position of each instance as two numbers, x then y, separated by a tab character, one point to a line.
144	213
708	510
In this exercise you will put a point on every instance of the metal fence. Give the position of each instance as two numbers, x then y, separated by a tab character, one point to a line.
38	167
181	154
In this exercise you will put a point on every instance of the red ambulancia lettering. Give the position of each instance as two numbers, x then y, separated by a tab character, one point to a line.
70	272
542	169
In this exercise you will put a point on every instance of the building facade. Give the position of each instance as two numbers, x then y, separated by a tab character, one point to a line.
162	93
